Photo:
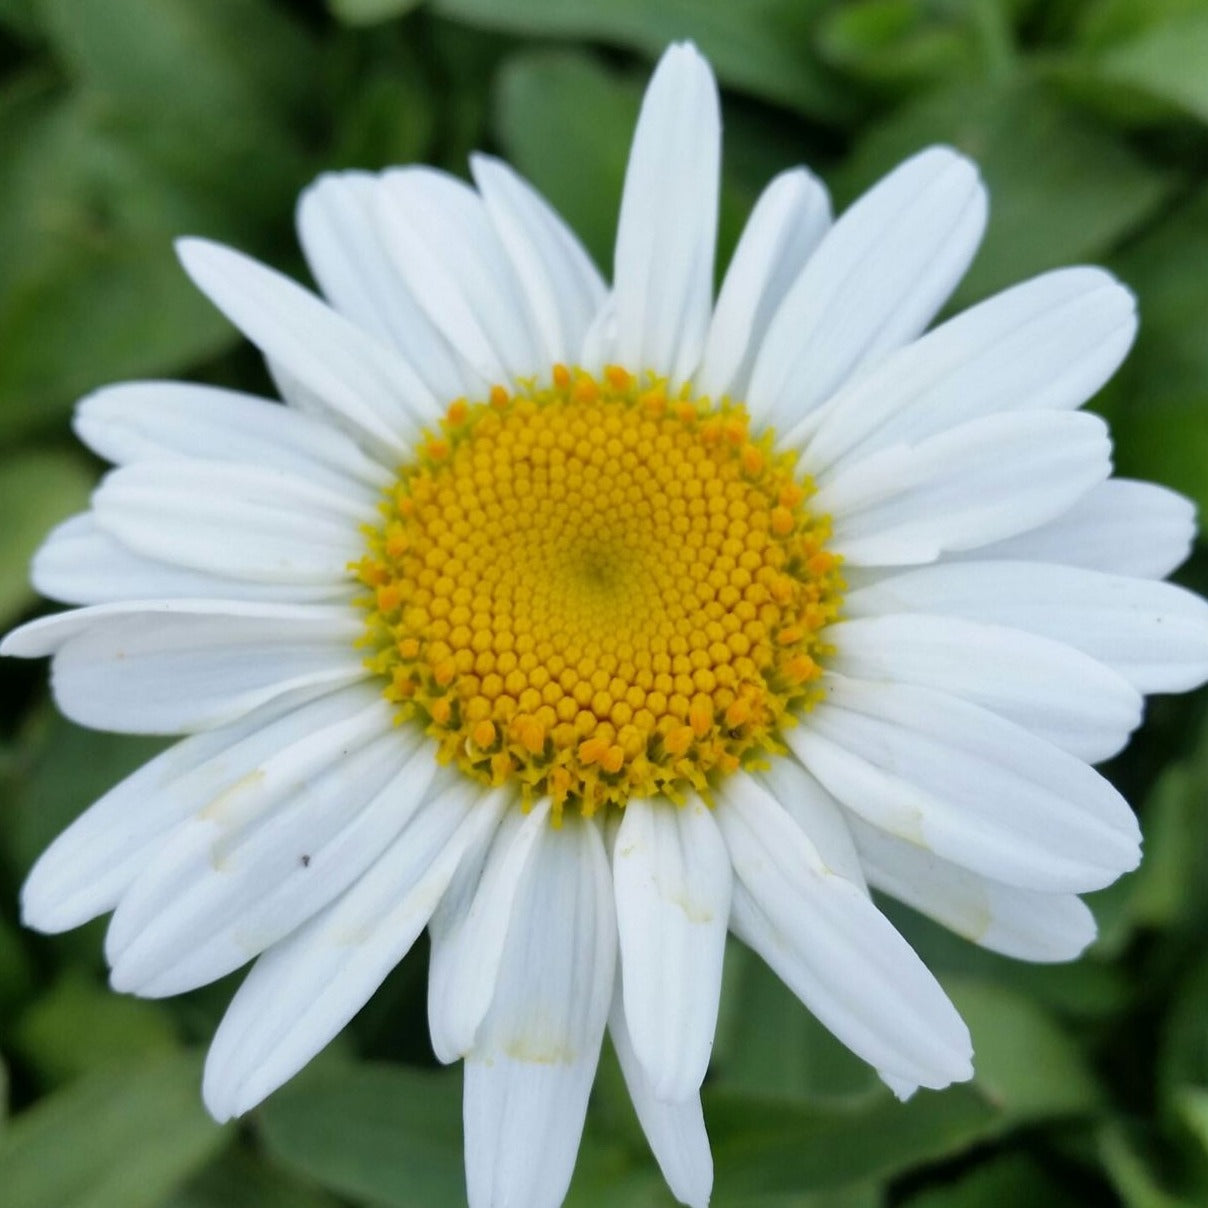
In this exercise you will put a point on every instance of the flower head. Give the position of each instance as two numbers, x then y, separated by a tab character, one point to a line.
582	624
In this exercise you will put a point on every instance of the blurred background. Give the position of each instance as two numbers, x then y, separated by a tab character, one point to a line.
126	122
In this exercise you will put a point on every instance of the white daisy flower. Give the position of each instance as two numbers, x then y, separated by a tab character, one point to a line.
581	624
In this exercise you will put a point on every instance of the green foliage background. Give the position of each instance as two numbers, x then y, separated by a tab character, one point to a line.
125	122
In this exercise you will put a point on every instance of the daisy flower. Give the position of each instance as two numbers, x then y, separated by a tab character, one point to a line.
582	624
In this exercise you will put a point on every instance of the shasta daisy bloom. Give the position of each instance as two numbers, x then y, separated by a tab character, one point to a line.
581	624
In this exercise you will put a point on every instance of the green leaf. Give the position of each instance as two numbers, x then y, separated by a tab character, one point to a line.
1166	62
385	1133
238	1180
69	768
37	490
770	1145
788	1052
1009	1180
78	1025
548	103
1062	188
89	287
1158	406
1132	1177
759	46
1024	1063
370	12
118	1138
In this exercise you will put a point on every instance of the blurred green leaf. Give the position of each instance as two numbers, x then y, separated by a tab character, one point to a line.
769	1043
548	103
770	1145
1023	1062
1131	1175
1158	405
78	1025
1165	61
370	12
760	46
1062	188
16	970
236	1179
895	43
1005	1182
37	490
69	767
114	1139
389	1134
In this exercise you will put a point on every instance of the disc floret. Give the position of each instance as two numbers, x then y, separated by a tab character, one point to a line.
597	590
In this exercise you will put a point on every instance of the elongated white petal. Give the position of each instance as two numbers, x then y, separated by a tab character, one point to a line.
1120	527
824	821
986	480
1048	344
1016	922
89	866
338	230
170	666
79	563
530	1071
968	786
564	289
676	1131
822	935
146	421
268	854
468	936
788	221
1055	691
1153	634
667	230
367	385
875	282
239	522
672	880
440	239
304	990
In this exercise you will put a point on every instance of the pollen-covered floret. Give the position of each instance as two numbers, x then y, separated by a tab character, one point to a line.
598	591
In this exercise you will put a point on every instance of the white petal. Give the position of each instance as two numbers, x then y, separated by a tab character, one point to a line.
530	1072
834	949
1121	527
89	866
468	933
338	230
788	221
1153	634
259	860
238	522
672	879
1016	922
667	230
170	666
1048	344
1047	687
564	289
368	386
968	786
988	479
143	421
304	990
820	816
437	232
676	1131
876	281
78	563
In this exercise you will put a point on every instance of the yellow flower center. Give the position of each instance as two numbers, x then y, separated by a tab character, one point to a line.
596	591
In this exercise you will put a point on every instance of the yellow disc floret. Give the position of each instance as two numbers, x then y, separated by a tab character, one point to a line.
598	591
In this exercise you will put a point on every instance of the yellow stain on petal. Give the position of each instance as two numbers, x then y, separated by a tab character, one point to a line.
595	590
